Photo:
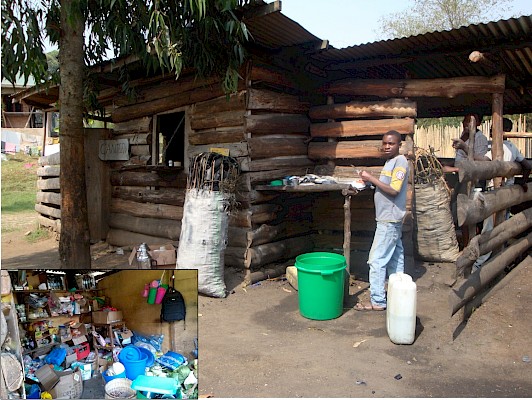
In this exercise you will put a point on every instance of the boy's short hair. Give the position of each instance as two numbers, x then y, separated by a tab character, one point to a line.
393	133
507	125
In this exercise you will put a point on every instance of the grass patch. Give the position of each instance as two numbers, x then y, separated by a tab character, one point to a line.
19	183
38	235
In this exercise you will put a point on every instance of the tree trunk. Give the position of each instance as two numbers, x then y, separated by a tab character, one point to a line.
74	244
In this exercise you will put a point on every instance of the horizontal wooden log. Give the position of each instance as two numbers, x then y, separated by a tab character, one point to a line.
48	184
351	149
482	205
235	257
162	104
277	145
53	224
121	238
249	179
444	87
264	254
146	210
466	289
469	171
237	236
46	210
362	128
267	272
267	100
134	126
49	198
281	162
362	109
144	178
254	197
167	88
256	214
217	119
52	159
49	171
271	233
135	138
140	150
233	102
361	219
170	229
488	241
272	75
271	124
171	196
231	134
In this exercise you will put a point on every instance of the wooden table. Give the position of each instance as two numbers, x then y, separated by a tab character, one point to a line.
347	191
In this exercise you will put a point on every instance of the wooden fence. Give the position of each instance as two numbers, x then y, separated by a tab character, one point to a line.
440	138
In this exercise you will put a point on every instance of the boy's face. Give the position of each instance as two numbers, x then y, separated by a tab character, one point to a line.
390	146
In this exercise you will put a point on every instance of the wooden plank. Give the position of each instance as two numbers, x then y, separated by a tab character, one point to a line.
227	134
276	251
134	126
49	198
364	109
46	210
49	170
444	87
48	184
269	74
170	229
233	102
277	145
52	159
171	196
217	119
267	100
281	162
351	149
54	224
362	128
140	150
270	124
121	238
149	210
145	178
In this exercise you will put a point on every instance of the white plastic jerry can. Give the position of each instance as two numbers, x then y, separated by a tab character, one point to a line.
401	308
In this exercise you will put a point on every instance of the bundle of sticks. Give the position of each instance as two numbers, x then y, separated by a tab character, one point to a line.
213	172
428	168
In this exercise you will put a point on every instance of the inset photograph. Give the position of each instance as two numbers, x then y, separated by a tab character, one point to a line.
99	334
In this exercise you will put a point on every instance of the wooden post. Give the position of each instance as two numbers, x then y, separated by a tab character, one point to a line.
347	242
497	151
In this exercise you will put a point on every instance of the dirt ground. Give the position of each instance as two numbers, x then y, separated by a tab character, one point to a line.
254	343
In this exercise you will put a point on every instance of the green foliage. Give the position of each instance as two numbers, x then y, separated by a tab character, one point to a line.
19	183
37	235
437	15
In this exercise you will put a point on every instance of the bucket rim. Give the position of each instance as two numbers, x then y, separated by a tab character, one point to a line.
341	261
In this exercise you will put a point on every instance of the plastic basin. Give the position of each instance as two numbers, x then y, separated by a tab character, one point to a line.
320	277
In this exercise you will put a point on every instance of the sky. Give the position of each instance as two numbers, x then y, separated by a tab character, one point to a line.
350	22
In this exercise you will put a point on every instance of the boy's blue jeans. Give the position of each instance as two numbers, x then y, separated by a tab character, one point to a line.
386	255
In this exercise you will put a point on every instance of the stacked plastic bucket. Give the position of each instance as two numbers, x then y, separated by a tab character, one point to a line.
134	361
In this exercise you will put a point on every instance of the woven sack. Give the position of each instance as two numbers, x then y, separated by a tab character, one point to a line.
12	376
434	231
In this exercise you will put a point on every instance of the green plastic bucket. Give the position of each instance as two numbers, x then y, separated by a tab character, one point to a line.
320	280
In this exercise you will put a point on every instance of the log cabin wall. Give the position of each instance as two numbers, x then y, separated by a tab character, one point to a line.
346	138
271	227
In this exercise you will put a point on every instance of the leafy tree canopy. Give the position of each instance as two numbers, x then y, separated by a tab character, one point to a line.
439	15
166	35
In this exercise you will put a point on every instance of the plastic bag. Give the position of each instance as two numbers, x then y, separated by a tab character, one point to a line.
153	343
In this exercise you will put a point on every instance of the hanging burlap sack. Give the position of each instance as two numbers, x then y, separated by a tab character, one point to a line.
434	230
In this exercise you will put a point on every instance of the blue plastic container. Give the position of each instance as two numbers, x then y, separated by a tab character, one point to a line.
109	378
134	367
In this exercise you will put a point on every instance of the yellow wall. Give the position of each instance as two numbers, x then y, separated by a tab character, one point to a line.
124	290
